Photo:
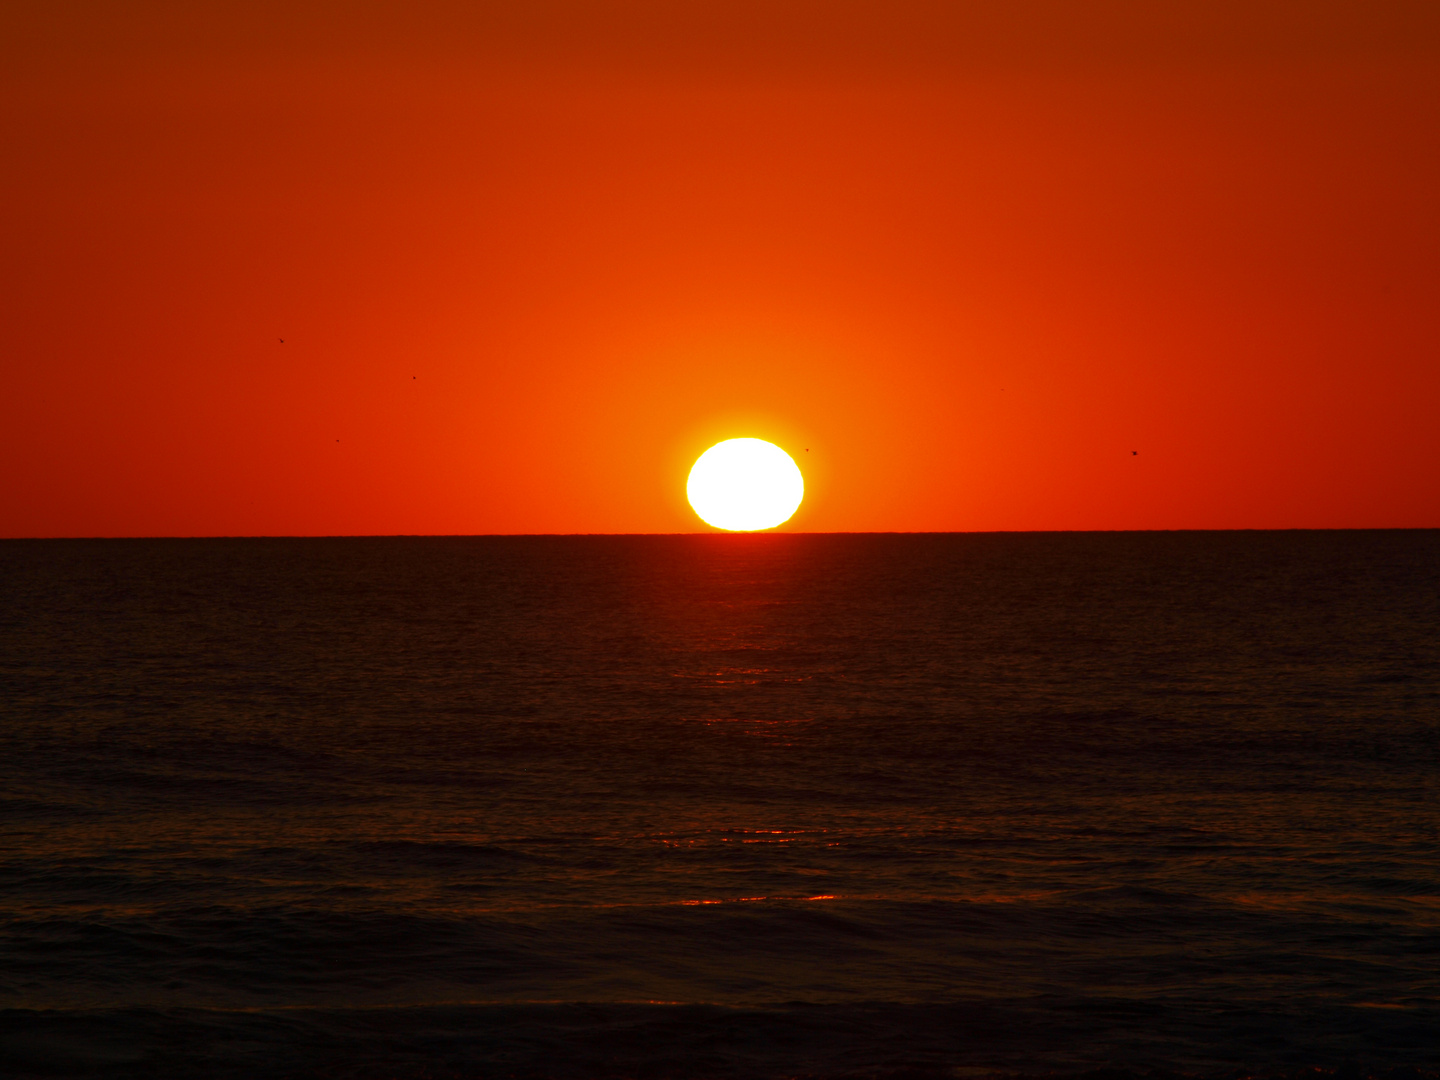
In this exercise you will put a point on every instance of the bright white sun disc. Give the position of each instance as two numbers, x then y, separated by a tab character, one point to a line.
745	484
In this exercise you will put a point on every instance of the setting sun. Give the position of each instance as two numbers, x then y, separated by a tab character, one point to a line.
745	484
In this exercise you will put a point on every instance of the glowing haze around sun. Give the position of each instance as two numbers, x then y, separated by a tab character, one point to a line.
745	484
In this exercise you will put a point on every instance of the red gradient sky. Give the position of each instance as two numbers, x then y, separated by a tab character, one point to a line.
528	266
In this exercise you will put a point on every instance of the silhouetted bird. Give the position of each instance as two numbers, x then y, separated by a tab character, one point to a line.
1134	452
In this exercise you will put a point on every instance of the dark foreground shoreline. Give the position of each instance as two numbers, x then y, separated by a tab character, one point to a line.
581	1041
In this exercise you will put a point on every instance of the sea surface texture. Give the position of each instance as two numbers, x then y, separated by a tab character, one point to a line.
721	806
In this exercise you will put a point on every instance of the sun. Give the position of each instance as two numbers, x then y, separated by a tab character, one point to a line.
745	484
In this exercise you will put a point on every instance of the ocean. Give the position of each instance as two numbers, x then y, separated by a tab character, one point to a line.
730	806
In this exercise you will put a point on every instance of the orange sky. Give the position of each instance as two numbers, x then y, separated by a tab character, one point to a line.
527	268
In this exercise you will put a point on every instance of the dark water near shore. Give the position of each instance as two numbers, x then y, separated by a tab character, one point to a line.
723	806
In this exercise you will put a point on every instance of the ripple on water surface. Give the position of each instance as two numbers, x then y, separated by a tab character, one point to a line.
740	805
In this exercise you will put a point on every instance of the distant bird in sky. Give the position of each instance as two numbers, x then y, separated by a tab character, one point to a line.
1134	452
282	341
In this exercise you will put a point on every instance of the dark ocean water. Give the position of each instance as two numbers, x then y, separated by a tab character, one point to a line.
720	806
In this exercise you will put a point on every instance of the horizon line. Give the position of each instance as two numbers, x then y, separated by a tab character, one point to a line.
719	533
